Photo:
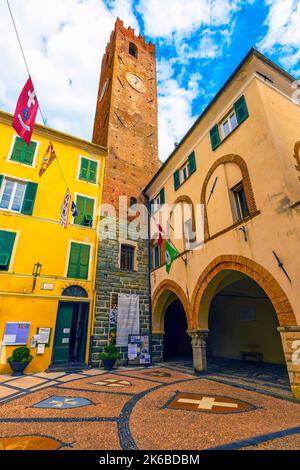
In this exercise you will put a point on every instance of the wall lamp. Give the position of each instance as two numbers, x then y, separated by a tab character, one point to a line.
37	268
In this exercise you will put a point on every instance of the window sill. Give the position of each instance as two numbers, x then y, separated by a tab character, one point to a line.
94	183
29	165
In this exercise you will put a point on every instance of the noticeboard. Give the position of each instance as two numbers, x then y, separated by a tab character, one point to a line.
16	334
139	350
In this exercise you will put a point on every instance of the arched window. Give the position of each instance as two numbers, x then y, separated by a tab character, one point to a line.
133	201
74	291
133	50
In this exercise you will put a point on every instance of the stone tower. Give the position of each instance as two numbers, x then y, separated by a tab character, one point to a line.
126	123
126	114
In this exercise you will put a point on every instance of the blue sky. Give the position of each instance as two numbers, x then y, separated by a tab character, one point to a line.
199	43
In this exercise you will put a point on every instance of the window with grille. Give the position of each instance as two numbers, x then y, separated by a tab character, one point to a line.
127	258
242	210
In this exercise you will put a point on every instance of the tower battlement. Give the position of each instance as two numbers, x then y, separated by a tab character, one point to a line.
130	34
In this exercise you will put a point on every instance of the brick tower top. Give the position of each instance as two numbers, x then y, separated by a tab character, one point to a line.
126	114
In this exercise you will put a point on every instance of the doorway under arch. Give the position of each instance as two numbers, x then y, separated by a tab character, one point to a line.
243	324
177	342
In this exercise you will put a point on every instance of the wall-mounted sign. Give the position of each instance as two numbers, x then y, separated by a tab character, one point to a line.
44	335
139	349
47	286
16	333
113	316
41	349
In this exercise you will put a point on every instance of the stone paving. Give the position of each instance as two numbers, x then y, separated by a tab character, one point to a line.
158	408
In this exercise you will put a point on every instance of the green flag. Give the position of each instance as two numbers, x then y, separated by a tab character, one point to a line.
171	254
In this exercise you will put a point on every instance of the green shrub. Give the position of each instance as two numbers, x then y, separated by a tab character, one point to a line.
110	353
20	355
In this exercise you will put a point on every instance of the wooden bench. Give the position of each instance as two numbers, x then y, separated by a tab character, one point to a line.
252	356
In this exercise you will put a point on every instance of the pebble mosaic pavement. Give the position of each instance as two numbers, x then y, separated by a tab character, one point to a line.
133	409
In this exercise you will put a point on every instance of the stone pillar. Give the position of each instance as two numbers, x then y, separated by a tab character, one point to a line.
290	336
157	347
199	338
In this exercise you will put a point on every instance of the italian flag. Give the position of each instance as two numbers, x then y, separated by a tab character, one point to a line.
171	254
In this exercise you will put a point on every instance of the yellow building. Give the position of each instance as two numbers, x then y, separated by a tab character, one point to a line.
47	272
236	172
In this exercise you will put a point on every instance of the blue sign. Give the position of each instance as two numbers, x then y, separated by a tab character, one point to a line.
16	333
63	403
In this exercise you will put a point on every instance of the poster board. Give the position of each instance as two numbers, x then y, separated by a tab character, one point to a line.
139	350
44	336
16	334
128	318
113	318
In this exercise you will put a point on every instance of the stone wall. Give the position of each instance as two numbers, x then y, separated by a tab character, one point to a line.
111	279
290	336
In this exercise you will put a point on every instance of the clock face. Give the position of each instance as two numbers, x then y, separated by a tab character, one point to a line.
136	82
103	90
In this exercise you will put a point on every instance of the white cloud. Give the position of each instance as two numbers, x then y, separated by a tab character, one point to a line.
64	43
174	107
283	35
163	18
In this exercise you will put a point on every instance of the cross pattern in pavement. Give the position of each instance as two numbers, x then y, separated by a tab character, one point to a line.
213	404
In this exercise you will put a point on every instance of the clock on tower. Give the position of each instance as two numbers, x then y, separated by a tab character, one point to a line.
126	114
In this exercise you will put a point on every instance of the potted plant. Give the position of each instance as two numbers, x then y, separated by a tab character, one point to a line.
109	357
19	361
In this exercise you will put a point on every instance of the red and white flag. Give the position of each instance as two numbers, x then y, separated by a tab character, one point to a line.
160	235
26	111
64	211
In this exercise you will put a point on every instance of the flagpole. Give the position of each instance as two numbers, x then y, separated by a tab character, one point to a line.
170	241
27	68
23	53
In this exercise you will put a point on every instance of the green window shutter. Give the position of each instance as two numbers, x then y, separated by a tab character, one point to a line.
29	198
176	180
92	174
84	168
1	180
74	260
29	153
215	137
241	110
7	240
85	208
162	196
192	163
84	262
17	153
88	170
22	153
80	204
79	261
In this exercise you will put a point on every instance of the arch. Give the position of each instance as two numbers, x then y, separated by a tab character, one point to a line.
164	295
186	200
246	184
215	274
75	291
